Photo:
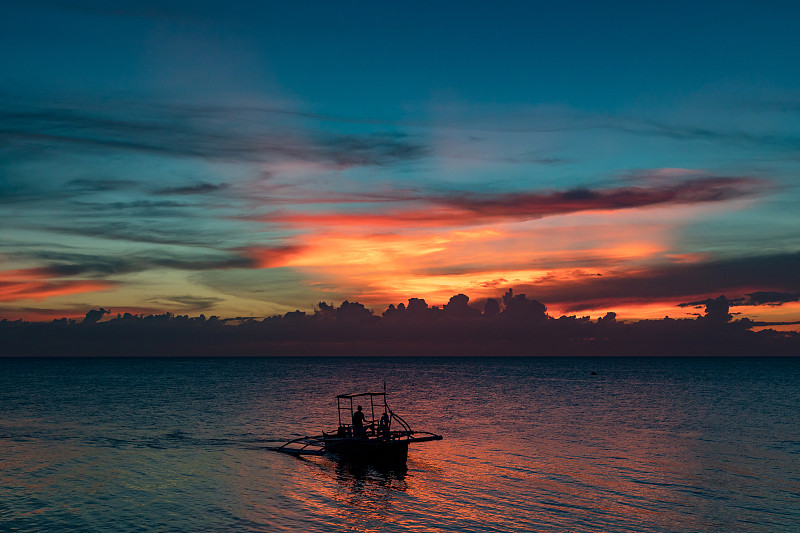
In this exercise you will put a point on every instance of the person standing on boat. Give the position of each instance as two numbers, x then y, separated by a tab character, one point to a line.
358	422
383	425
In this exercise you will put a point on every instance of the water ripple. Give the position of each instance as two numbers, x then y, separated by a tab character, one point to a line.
647	445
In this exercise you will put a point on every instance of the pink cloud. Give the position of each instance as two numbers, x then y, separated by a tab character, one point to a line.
465	209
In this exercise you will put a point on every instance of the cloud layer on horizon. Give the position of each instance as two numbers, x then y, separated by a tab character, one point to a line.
365	209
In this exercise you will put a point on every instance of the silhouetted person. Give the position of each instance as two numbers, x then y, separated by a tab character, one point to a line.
383	425
358	422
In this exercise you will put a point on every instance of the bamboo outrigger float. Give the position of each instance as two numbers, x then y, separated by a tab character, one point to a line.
384	441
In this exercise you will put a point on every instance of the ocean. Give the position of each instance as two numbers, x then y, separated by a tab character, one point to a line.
553	444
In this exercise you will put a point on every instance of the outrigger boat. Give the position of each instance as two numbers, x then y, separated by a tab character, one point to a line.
384	441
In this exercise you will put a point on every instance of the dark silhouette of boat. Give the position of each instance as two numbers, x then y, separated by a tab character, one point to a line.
384	441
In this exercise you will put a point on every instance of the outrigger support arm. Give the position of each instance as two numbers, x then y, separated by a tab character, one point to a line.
303	446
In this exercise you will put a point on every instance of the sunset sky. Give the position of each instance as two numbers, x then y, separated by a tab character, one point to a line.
251	158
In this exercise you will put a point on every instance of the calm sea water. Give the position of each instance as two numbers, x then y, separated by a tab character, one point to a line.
540	444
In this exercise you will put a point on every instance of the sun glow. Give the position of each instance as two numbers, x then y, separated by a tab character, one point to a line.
379	267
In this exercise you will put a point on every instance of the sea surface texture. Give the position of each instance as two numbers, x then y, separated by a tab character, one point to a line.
539	444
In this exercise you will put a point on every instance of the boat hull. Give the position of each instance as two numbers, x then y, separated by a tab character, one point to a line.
368	450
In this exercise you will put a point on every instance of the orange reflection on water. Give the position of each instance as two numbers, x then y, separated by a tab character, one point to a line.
362	497
555	470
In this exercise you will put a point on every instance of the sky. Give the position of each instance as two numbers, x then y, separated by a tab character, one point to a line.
252	158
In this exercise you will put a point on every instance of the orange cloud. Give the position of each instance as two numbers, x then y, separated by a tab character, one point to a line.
32	284
23	274
379	268
555	246
271	257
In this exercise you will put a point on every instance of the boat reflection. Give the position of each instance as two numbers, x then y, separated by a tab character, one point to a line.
360	475
356	495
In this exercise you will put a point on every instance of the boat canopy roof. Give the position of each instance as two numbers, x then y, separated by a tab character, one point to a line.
361	394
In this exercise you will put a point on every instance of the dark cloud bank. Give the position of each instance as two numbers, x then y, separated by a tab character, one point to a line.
511	326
